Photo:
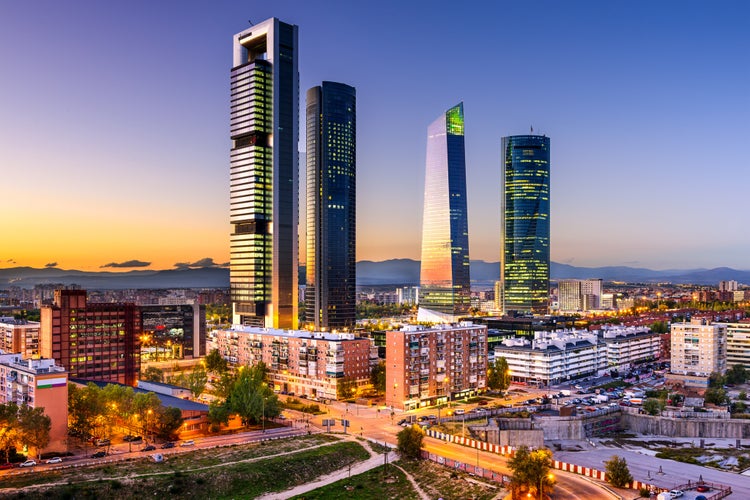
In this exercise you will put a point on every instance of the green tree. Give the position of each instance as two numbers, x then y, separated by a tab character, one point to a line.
223	387
659	327
531	471
251	398
736	375
676	398
652	406
215	363
411	442
618	473
714	395
152	374
195	381
86	405
346	388
716	380
34	427
218	414
742	396
377	377
8	427
498	377
167	422
739	407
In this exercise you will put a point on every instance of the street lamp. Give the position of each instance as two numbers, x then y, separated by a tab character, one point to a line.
549	476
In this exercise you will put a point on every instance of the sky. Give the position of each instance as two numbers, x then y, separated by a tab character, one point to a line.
114	123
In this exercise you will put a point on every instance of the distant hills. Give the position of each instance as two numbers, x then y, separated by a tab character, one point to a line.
390	272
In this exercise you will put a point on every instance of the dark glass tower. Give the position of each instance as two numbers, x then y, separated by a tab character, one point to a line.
445	287
263	176
524	258
330	298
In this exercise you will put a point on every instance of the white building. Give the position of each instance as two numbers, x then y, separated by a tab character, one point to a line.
630	345
738	344
698	349
579	295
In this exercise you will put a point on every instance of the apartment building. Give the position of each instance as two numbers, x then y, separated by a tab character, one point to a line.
313	364
39	383
553	357
738	344
626	346
427	366
698	348
19	336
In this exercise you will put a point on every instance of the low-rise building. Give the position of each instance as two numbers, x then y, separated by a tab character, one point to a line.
427	366
318	365
38	383
626	346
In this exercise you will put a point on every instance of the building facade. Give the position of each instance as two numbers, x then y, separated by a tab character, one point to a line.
263	175
19	336
428	366
738	344
698	349
628	346
525	224
330	297
444	292
579	295
319	365
177	330
93	341
39	383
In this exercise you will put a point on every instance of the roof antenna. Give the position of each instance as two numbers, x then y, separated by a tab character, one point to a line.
532	130
251	23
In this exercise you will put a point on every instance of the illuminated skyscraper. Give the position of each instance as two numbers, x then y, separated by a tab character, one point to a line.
445	287
263	176
524	255
330	298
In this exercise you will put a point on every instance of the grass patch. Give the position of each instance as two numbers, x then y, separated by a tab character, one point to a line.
375	484
439	481
245	479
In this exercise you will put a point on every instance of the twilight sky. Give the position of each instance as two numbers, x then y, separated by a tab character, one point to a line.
114	123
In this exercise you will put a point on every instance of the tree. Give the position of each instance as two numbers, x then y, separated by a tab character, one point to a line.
739	407
223	386
377	377
652	406
196	381
167	422
411	442
251	398
216	363
498	377
8	427
152	374
346	388
717	396
85	405
618	474
736	375
34	427
742	396
676	398
531	471
659	327
218	414
716	380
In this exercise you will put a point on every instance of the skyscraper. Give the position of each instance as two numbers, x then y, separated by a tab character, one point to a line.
524	254
445	288
263	176
330	298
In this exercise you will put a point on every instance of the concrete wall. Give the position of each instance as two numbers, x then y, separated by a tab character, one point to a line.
664	426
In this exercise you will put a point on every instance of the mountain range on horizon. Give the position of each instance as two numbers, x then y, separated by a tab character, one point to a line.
399	272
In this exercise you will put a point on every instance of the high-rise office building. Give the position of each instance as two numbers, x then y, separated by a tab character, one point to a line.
330	297
263	175
524	254
445	288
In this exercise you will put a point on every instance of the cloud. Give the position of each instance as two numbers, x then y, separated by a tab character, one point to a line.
51	264
199	264
128	263
11	261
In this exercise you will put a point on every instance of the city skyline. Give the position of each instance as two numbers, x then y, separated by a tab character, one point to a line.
114	145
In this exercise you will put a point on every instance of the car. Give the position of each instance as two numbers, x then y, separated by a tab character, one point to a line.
676	493
702	488
131	439
189	442
421	418
482	402
7	465
102	442
54	460
136	439
459	411
281	417
167	445
402	421
149	447
28	463
99	454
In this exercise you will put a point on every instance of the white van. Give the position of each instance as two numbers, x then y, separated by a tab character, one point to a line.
459	411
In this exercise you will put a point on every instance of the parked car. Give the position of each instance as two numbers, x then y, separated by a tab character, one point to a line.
702	488
102	442
189	442
99	454
149	447
459	411
28	463
167	445
6	466
132	439
54	460
676	493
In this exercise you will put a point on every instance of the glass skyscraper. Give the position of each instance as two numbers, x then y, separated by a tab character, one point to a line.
264	176
524	258
330	297
445	287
